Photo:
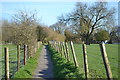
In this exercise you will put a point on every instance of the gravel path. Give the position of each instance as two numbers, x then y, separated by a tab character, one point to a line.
45	66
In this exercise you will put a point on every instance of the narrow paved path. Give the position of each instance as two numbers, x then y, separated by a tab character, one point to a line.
45	66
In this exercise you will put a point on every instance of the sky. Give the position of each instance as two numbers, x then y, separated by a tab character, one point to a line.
47	12
119	14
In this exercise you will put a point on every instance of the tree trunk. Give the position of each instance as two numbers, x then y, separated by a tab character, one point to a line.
87	42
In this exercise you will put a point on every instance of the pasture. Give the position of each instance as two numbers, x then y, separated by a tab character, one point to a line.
95	61
12	59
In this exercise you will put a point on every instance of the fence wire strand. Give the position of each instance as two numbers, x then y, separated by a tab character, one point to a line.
13	49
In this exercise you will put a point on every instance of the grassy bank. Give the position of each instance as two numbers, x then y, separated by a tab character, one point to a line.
62	68
28	69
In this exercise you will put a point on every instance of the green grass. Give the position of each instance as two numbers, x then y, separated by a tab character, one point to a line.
12	59
28	70
95	62
62	68
10	48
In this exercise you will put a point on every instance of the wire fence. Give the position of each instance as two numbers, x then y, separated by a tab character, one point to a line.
12	61
17	57
92	57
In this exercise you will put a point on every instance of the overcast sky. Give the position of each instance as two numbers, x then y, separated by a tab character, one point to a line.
47	12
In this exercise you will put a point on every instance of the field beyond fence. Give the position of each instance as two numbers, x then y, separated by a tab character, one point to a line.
13	57
95	63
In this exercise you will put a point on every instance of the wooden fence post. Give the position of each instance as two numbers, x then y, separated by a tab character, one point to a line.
55	47
6	63
73	53
38	44
28	52
85	61
106	62
64	50
25	53
52	44
67	51
61	49
35	48
18	57
49	43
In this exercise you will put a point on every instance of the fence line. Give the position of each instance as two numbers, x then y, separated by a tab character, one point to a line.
15	60
85	61
63	49
18	57
67	51
106	62
6	63
73	53
25	53
12	49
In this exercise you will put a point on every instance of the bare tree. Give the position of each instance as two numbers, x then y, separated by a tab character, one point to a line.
87	18
25	31
59	27
25	17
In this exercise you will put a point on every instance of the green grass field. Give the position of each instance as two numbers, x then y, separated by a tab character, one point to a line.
12	59
13	62
95	62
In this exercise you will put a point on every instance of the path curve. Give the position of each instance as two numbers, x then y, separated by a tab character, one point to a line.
45	65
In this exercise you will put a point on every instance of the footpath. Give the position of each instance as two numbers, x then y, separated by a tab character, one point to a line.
45	65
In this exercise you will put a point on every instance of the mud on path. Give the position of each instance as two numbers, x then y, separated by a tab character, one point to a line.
45	66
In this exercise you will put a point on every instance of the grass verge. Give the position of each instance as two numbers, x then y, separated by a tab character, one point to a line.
28	69
62	68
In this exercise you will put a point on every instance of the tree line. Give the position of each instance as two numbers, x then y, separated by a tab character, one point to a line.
24	29
91	23
86	23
